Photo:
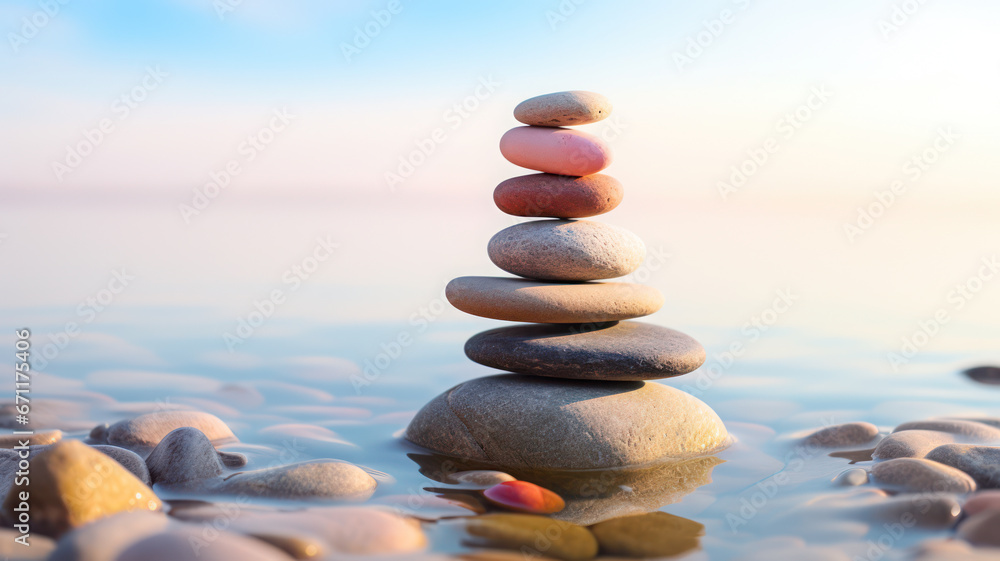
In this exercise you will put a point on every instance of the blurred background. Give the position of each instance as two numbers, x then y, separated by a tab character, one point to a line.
168	165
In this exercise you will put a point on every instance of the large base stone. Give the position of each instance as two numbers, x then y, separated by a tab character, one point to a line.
519	421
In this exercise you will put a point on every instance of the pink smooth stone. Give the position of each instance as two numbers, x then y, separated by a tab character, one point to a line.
555	150
983	500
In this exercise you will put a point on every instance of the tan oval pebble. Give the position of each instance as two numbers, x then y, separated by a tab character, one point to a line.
847	434
560	109
72	484
916	475
656	534
566	250
525	300
144	432
520	531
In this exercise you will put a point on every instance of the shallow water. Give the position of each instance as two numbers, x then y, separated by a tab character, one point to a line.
339	370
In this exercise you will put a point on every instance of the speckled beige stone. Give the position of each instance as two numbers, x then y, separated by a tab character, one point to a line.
562	109
513	299
566	250
566	424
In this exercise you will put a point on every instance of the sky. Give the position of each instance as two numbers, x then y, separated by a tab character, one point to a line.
696	86
844	150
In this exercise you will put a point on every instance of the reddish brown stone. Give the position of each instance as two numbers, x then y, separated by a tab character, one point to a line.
558	196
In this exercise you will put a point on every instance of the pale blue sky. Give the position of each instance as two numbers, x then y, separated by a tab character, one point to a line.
226	74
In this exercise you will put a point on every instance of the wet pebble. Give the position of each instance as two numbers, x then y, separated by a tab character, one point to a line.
984	374
97	486
847	434
144	432
914	475
932	511
185	455
983	500
522	496
852	477
189	543
38	439
318	479
562	540
656	534
969	431
349	530
478	479
980	462
128	459
910	444
982	530
232	459
105	539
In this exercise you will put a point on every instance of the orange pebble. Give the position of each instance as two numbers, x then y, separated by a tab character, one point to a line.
522	496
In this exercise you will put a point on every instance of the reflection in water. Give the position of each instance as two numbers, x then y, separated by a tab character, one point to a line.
593	496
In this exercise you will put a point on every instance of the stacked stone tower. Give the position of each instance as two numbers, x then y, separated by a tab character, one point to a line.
577	398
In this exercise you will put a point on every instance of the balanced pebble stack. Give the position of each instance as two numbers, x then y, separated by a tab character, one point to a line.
576	395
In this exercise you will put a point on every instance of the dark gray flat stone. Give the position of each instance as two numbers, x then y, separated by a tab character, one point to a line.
624	351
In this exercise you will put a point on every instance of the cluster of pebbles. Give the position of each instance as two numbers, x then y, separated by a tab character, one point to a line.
940	473
575	395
